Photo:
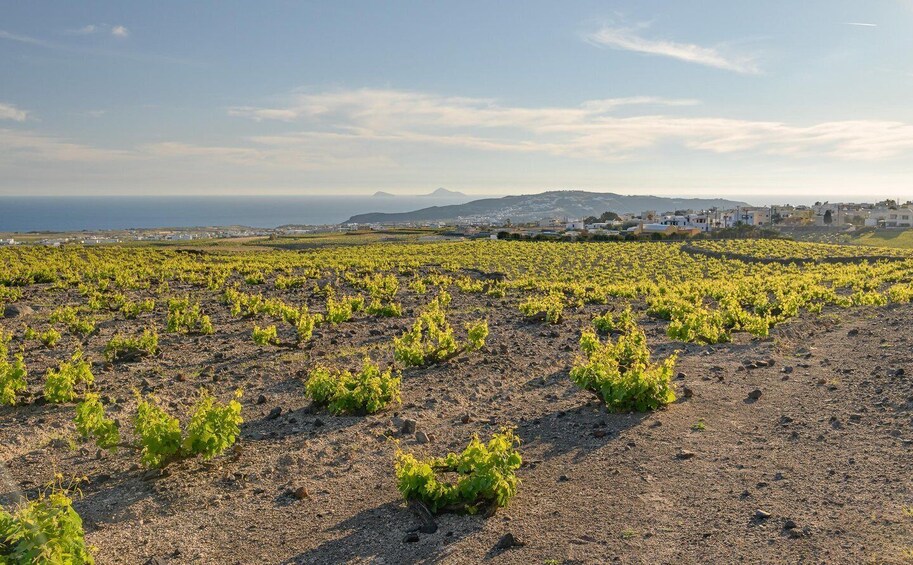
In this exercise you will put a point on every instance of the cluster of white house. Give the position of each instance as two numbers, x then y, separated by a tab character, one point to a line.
886	214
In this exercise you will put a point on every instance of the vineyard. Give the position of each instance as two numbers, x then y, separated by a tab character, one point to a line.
401	401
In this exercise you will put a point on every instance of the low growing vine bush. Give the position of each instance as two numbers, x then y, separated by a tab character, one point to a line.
365	392
265	336
548	307
187	318
60	384
431	338
620	373
123	348
482	476
46	530
13	374
212	428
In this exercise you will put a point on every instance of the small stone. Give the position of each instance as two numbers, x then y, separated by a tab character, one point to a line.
411	537
59	443
261	399
301	493
563	479
687	392
466	418
599	433
408	426
755	394
789	525
508	541
17	311
761	515
318	423
422	437
685	454
274	413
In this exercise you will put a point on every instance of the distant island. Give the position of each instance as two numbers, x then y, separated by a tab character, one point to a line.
551	204
439	193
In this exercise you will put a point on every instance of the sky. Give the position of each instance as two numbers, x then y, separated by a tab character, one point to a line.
770	100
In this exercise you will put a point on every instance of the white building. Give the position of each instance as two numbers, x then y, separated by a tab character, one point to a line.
890	218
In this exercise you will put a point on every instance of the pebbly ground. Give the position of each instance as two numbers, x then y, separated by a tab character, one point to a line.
816	469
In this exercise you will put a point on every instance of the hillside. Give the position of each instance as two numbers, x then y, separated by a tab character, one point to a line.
556	203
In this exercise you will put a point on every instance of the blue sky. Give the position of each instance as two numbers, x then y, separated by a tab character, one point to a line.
773	100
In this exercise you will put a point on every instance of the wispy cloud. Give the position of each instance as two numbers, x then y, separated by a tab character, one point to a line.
860	24
365	132
10	112
31	147
84	30
593	130
24	39
90	50
628	39
91	29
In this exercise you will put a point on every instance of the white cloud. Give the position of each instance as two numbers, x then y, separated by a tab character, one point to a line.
85	30
10	112
860	24
26	146
626	39
24	39
595	129
119	31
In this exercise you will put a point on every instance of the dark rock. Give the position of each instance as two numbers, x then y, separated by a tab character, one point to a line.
789	525
261	399
274	413
408	426
687	392
685	454
508	541
422	437
755	394
411	537
301	493
761	515
429	524
17	311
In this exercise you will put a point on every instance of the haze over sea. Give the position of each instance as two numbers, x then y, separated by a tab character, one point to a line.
65	213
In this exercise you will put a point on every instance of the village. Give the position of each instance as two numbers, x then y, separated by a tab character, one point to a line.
685	223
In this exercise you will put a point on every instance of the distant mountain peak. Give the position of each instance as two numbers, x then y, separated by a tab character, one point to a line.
382	194
441	192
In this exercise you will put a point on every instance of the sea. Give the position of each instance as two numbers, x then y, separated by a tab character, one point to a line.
77	213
